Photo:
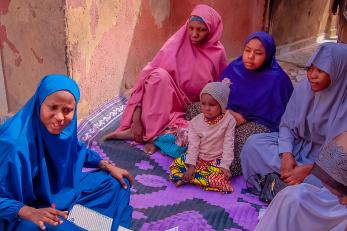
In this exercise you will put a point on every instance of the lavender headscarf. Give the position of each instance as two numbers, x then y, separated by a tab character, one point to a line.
318	117
331	165
260	96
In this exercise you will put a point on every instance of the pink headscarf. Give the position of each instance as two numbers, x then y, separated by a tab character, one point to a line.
184	69
188	64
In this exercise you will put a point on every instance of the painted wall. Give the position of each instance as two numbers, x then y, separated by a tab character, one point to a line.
103	45
32	44
300	20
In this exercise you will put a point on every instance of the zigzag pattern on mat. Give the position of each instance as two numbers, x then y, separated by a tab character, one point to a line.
106	115
158	204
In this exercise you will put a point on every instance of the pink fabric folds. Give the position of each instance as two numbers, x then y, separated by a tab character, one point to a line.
175	77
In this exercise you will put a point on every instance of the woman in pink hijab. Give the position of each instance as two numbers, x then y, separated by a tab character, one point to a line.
191	58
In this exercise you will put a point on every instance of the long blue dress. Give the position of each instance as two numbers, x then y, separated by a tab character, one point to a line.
38	168
311	119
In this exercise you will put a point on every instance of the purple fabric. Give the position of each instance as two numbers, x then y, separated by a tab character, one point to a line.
188	220
144	165
151	180
260	96
236	204
158	204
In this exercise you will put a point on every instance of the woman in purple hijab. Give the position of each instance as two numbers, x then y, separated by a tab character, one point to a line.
259	91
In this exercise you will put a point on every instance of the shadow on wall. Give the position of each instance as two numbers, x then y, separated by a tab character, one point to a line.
301	21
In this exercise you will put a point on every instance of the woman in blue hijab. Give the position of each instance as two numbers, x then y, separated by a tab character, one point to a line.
259	91
315	114
41	164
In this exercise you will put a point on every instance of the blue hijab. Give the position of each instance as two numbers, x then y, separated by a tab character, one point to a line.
38	168
261	95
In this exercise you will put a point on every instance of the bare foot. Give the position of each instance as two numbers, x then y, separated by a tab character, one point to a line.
123	135
149	148
180	183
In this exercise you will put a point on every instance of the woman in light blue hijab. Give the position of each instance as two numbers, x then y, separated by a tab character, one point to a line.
41	164
315	114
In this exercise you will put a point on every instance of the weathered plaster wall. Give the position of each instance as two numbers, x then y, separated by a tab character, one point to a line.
99	34
32	44
299	20
103	45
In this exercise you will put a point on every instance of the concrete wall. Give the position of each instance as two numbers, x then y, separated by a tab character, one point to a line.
102	44
295	21
32	44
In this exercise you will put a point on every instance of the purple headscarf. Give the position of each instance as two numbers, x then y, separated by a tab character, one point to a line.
261	95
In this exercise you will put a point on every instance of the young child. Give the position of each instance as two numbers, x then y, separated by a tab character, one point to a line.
211	143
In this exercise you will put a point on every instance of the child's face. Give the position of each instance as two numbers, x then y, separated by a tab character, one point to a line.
319	79
254	55
209	106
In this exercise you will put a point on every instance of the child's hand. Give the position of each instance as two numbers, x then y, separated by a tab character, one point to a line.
238	117
226	173
188	175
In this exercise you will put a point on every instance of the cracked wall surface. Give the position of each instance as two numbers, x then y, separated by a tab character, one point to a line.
32	44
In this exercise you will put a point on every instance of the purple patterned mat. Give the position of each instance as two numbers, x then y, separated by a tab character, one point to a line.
158	204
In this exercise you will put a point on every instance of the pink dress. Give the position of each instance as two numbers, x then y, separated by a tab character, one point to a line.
175	77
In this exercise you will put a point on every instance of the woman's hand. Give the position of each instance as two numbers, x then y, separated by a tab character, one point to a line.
298	174
226	173
288	163
188	175
238	117
119	173
42	216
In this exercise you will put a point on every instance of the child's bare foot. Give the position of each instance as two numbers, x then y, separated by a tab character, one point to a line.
123	135
149	148
180	183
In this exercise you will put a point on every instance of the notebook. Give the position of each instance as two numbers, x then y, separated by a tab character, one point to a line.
89	219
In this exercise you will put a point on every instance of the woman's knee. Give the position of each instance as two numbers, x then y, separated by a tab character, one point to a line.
115	185
159	75
294	194
26	225
250	145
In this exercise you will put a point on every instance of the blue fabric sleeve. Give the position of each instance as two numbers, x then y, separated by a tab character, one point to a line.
9	208
92	158
285	140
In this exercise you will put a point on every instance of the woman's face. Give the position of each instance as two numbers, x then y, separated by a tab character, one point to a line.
57	111
254	55
209	106
342	198
198	32
319	80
